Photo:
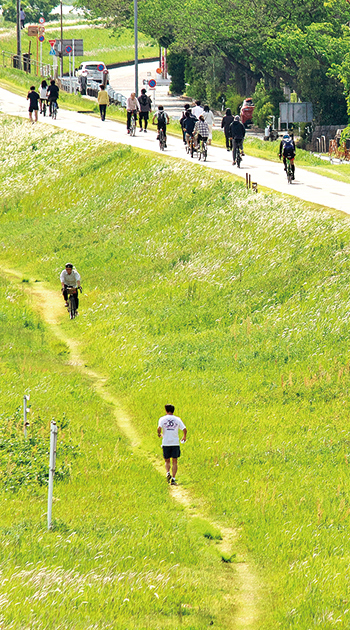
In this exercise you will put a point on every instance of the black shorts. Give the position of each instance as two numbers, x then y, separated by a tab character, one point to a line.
171	452
33	109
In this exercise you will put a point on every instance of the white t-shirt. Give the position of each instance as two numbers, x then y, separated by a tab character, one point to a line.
70	278
197	111
43	92
171	425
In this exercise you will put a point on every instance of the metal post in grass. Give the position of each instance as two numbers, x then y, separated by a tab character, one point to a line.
53	447
26	397
18	31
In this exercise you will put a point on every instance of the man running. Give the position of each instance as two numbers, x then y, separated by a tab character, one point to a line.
237	133
168	428
70	278
33	98
162	121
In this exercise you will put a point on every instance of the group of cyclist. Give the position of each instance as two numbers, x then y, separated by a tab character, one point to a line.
47	95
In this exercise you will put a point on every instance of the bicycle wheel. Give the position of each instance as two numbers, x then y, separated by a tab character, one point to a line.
238	158
44	108
191	148
54	111
200	152
71	307
205	153
161	139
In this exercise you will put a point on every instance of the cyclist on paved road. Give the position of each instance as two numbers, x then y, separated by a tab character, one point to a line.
162	121
287	150
43	95
197	110
132	107
33	98
70	278
145	104
187	107
52	94
188	125
210	120
201	130
237	133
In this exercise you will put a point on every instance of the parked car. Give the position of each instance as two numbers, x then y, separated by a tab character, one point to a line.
90	69
247	112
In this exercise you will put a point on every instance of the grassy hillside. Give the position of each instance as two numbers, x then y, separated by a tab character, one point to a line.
100	44
232	305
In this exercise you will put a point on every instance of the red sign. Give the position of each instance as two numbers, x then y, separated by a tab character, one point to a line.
41	38
52	42
41	20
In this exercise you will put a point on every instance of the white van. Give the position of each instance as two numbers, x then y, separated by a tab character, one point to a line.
92	70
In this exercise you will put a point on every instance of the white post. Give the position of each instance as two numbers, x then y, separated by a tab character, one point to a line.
53	447
25	423
41	58
70	74
73	69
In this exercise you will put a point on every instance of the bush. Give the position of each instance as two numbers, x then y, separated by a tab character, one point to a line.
266	103
176	69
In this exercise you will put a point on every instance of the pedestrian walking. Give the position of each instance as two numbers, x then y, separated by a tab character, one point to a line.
168	429
145	104
225	124
103	101
33	98
209	119
22	17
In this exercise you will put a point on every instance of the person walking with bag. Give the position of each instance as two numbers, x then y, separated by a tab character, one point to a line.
145	108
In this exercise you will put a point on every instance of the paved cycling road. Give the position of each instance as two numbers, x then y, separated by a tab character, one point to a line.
307	186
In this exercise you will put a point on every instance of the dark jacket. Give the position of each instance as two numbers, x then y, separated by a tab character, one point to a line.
53	91
145	103
237	130
225	124
188	124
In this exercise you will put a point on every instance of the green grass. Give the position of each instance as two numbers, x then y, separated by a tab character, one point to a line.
100	44
233	306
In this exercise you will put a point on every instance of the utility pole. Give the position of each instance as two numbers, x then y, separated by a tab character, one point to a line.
18	24
136	50
61	38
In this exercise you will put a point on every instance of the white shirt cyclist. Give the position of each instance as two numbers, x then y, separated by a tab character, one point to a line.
70	279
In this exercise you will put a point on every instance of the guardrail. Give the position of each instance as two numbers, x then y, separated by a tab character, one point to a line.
26	63
71	84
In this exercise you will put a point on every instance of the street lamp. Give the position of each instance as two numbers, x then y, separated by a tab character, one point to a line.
136	51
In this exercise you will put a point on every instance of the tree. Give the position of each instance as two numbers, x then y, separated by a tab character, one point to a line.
33	10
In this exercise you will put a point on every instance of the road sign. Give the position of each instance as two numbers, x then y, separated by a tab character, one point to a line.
68	49
105	71
41	38
52	42
52	52
41	20
152	83
78	47
33	30
159	71
100	67
41	29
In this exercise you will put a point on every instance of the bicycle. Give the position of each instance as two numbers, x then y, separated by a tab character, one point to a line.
44	107
132	126
202	151
72	308
190	146
237	148
289	170
162	139
53	110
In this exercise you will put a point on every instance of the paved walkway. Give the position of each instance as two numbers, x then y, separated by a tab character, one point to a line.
308	186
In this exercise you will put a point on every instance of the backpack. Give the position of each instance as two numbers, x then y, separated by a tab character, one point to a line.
143	100
288	147
161	117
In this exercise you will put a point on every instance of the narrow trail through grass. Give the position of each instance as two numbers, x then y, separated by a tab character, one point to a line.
49	304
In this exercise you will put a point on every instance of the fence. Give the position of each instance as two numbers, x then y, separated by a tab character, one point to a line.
26	63
71	84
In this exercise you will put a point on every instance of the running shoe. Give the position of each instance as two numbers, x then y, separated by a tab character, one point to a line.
173	482
168	477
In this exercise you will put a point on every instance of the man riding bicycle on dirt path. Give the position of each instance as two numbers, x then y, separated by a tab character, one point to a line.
70	278
237	133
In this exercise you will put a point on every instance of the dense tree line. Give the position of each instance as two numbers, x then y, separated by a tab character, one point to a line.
230	46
